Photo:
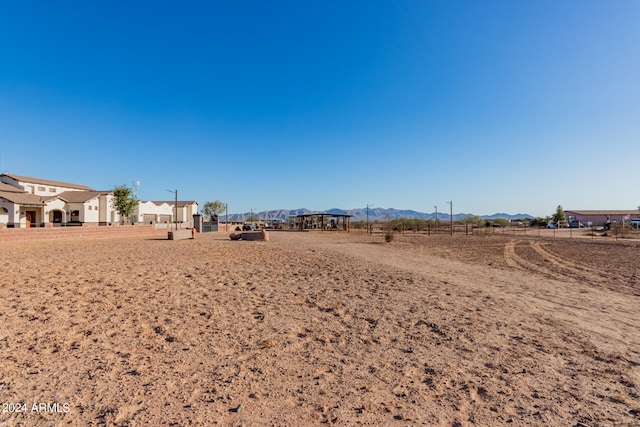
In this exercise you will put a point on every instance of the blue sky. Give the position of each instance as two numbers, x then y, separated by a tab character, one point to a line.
499	106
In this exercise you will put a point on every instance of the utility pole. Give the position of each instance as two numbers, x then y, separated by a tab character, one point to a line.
368	216
436	219
175	217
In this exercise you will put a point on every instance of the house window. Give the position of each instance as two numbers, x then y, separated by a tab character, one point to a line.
4	210
52	190
42	189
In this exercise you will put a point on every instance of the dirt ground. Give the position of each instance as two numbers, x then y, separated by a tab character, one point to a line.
321	328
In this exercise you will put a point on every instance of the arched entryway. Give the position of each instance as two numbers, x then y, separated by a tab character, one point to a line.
56	216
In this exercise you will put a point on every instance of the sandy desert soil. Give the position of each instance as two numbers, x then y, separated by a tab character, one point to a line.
320	328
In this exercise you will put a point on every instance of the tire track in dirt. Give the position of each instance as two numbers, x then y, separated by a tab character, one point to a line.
516	261
582	271
587	273
573	272
510	255
596	316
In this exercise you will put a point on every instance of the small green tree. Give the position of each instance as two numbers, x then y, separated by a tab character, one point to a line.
213	208
471	220
502	222
559	215
124	202
538	222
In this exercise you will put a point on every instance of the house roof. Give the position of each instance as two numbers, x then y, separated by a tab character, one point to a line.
23	178
27	199
78	196
181	204
23	198
10	188
605	212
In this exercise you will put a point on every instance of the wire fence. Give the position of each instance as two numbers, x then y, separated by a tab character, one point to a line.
512	230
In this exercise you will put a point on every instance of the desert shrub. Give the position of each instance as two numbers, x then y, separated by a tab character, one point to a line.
388	236
358	225
502	222
405	224
622	230
538	222
471	220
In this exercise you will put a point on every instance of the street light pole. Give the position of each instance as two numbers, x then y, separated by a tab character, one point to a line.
436	207
175	217
368	216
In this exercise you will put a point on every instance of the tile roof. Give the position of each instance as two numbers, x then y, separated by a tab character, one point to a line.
78	196
10	188
23	178
22	198
181	204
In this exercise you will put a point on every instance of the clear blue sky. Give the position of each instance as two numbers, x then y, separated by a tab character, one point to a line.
500	106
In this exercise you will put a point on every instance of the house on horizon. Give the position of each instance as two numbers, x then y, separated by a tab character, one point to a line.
598	218
35	202
163	212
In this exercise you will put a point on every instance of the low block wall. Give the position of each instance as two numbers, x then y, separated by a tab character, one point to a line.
180	234
16	235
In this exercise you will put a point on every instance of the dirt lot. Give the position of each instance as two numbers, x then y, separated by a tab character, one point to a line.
321	328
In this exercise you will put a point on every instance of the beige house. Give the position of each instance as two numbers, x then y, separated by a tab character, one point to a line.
34	202
163	212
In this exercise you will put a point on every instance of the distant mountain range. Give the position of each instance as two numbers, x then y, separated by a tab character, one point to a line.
375	214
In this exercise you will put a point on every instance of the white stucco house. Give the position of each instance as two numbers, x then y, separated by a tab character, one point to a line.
163	212
34	202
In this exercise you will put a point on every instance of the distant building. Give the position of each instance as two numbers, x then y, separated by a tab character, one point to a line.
34	202
164	211
598	218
